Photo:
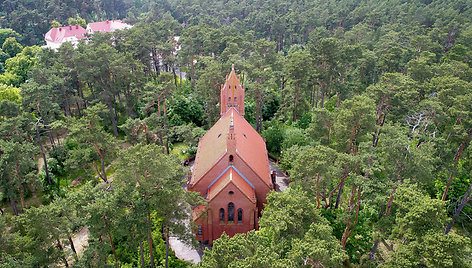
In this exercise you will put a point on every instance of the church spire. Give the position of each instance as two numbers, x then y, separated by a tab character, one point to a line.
232	94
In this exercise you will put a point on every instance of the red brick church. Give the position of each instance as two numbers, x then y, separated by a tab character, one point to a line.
231	170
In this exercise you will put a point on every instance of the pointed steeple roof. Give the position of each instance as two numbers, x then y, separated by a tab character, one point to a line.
232	94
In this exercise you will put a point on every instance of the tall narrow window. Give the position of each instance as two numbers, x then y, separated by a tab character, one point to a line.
240	215
200	229
229	98
230	212
231	158
222	215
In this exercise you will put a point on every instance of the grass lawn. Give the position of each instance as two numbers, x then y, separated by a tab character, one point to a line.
179	149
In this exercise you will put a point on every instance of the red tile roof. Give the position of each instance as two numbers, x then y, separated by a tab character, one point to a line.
211	147
231	175
198	211
107	26
57	35
250	146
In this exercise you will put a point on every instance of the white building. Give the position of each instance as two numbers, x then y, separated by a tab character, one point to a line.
106	26
56	36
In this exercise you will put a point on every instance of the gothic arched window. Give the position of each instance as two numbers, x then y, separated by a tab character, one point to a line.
231	158
240	215
231	212
222	214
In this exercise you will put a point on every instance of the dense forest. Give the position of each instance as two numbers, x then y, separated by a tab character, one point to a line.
366	104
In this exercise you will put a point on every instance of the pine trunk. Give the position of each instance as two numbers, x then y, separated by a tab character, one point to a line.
43	153
351	225
465	199
113	248
259	112
141	252
167	247
341	187
22	198
295	102
51	138
150	240
62	251
113	120
13	206
192	72
103	173
323	89
457	157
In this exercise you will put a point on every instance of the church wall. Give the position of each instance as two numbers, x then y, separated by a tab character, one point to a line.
240	201
261	188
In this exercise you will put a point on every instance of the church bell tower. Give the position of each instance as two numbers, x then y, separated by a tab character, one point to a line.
232	94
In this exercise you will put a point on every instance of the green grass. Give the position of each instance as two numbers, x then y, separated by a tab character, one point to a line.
179	150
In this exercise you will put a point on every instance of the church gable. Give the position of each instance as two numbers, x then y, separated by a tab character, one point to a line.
233	179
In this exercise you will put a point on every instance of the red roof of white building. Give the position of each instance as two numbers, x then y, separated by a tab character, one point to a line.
57	35
107	26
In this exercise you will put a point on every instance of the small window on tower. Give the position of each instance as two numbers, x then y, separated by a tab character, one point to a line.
229	98
199	229
231	158
235	98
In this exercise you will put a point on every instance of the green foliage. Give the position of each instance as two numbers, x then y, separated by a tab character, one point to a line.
186	110
55	24
293	136
10	79
77	21
425	243
435	250
274	136
22	63
292	233
88	144
6	33
364	100
11	46
9	93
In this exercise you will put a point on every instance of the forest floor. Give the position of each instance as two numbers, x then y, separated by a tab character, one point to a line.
281	180
80	240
